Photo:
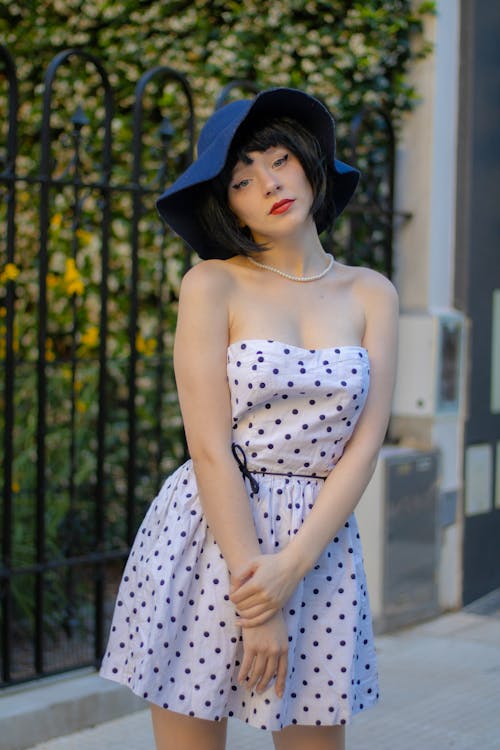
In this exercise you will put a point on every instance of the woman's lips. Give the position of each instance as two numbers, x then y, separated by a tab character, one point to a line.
281	206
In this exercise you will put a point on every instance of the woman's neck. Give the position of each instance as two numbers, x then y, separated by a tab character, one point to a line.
298	254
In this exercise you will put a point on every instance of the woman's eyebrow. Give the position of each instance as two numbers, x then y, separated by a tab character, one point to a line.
245	159
240	164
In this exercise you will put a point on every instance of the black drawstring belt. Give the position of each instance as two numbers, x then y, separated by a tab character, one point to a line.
241	460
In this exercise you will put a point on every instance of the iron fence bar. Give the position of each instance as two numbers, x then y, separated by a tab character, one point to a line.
41	361
59	182
41	369
9	372
64	360
103	328
100	497
166	134
78	120
91	557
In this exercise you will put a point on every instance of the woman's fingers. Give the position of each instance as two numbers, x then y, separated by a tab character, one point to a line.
253	599
254	610
247	590
281	674
269	671
265	654
246	665
258	619
259	668
242	578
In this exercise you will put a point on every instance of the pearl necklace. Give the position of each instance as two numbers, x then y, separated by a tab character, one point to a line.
291	276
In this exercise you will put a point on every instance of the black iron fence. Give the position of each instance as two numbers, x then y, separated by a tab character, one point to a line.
89	280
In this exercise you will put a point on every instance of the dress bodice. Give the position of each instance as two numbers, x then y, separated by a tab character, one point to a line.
294	409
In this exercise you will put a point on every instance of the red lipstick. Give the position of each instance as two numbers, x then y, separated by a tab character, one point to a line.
282	206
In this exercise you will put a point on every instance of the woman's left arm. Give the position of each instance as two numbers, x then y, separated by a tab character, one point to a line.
268	582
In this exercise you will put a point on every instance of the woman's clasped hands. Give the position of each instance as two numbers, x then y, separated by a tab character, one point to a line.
259	591
263	587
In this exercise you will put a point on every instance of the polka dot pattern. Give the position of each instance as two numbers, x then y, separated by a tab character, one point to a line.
174	639
310	397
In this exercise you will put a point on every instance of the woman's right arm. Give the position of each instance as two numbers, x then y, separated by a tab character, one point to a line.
200	361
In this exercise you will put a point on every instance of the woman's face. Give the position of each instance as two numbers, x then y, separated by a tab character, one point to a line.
271	194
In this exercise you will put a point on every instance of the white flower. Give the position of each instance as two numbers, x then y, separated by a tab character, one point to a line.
308	66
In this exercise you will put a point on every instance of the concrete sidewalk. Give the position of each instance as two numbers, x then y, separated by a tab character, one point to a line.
440	686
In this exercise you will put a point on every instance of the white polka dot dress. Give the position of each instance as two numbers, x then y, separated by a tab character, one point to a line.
174	639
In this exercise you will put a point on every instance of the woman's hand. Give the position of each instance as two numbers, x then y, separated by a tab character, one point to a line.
265	655
263	587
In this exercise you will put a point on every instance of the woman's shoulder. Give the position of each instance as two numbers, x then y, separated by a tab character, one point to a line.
368	283
208	277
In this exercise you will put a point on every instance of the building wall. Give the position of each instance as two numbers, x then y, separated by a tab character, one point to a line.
424	275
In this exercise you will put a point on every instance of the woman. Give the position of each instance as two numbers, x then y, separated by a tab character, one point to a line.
244	594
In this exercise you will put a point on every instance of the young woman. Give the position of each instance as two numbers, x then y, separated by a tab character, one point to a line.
245	594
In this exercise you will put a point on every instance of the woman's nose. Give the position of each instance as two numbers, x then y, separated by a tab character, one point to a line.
269	180
271	183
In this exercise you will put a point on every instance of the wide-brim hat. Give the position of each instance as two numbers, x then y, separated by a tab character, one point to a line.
177	205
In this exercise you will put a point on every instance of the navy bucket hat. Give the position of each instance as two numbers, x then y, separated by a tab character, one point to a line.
177	205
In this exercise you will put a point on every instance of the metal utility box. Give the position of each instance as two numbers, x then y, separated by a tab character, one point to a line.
398	521
430	365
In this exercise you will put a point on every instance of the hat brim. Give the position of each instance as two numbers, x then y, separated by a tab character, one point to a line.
177	205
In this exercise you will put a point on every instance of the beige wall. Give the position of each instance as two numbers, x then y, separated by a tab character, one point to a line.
426	171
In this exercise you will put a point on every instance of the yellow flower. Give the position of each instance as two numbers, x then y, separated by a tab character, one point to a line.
84	236
81	406
72	278
143	346
90	337
71	269
75	287
56	221
10	272
52	280
140	343
49	350
15	486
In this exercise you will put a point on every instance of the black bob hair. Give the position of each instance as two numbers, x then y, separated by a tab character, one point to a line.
220	222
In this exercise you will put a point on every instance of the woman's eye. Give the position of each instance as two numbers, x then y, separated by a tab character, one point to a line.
279	162
241	184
